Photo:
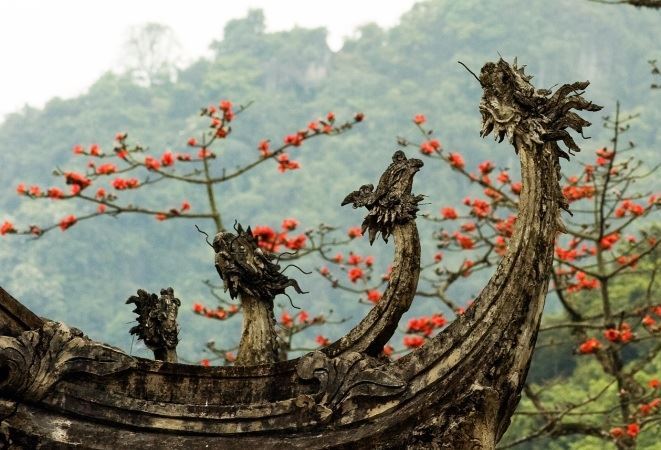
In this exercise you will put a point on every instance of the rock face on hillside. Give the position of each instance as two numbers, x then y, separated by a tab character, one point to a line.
58	388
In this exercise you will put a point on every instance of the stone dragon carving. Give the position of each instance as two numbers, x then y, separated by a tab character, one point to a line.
457	391
250	273
157	322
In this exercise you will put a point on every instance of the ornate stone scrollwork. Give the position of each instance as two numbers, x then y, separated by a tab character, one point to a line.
33	362
348	376
392	203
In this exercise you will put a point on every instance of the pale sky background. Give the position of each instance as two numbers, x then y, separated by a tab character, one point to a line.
60	47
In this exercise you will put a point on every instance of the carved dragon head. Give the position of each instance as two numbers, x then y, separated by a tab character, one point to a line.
246	269
512	107
157	318
392	203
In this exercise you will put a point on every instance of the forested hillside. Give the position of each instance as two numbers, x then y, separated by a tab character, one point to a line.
83	276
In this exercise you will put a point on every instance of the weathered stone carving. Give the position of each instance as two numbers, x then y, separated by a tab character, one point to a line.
392	202
348	376
33	362
157	322
457	391
249	272
529	117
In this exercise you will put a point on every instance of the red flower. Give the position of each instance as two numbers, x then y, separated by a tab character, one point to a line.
205	363
289	224
374	296
648	321
369	261
592	345
654	383
95	150
167	158
185	206
35	191
321	340
466	242
449	213
161	217
438	257
419	119
468	227
616	432
77	179
294	139
68	222
504	177
106	169
192	142
481	208
284	163
456	160
286	320
486	167
55	193
121	184
314	127
78	149
354	232
225	105
297	243
303	316
324	271
338	258
612	335
413	341
7	227
230	357
608	241
20	189
101	209
354	259
355	273
119	137
152	163
388	350
439	320
633	429
263	148
198	308
516	188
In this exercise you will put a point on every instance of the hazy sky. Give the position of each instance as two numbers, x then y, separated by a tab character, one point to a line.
59	47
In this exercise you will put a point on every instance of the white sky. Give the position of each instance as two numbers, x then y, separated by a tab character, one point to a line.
59	48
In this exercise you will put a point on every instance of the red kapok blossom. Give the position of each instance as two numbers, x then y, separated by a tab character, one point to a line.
648	321
205	362
374	296
612	334
449	213
167	158
55	193
152	163
68	222
192	142
516	188
654	383
7	227
456	160
294	139
77	179
95	150
289	224
355	274
321	340
286	320
263	148
296	243
414	341
419	119
633	429
324	271
78	149
106	169
354	232
388	350
354	259
591	345
20	189
284	163
198	308
369	261
185	206
616	432
101	209
486	167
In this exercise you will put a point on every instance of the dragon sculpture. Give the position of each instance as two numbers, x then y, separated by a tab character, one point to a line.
458	391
